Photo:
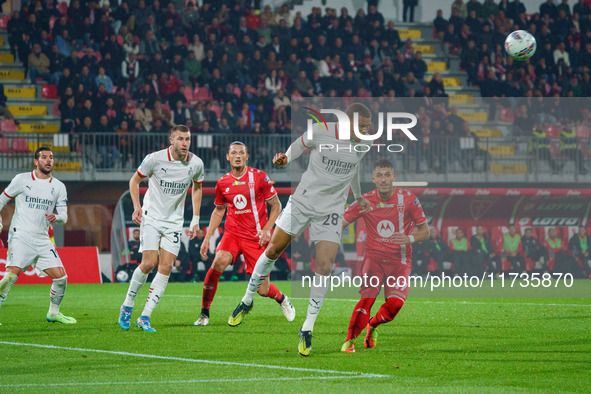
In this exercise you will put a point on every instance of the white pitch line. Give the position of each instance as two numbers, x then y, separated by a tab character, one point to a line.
186	381
459	302
192	360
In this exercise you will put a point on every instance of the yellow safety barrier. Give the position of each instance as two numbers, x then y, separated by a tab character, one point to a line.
428	49
27	109
413	34
436	66
20	92
6	58
38	128
67	166
498	169
12	74
473	116
461	99
487	133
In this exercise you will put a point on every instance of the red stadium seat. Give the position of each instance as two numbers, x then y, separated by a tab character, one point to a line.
202	94
552	131
49	92
4	21
554	150
217	109
19	145
7	126
506	115
4	146
583	131
56	108
188	92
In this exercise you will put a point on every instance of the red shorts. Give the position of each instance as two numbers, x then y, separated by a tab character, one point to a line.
391	273
251	250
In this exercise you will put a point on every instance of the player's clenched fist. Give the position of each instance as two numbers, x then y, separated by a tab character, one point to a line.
280	160
137	216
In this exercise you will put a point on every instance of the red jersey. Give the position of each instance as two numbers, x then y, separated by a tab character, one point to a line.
246	198
399	214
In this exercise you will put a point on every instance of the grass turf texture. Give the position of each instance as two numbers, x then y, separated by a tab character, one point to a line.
434	344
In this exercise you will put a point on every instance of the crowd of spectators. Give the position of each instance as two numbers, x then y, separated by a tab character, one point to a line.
506	252
153	54
476	31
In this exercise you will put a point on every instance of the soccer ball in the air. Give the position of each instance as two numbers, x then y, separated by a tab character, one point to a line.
520	45
122	276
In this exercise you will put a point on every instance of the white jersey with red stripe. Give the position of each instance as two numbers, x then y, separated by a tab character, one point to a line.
246	198
324	186
169	180
33	199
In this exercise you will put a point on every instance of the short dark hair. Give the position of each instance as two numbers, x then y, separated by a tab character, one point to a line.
181	127
41	149
361	109
238	143
383	163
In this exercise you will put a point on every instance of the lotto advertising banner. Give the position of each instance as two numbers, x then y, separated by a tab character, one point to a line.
81	265
339	142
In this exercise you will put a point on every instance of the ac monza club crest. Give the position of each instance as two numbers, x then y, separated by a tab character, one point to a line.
385	229
400	208
480	206
251	185
239	201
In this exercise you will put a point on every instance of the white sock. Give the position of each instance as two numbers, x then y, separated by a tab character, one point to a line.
135	284
156	291
317	294
58	289
5	285
261	271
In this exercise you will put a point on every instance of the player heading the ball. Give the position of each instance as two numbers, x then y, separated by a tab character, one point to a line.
245	191
318	203
170	172
40	200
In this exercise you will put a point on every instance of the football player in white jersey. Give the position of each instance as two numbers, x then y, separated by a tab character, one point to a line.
170	172
318	203
40	200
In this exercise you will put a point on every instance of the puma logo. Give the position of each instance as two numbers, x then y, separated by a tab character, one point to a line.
28	187
164	169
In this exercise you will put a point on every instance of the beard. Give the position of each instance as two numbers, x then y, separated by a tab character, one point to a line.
46	172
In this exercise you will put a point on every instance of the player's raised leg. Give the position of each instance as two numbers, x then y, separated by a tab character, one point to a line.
386	313
279	241
157	288
138	279
56	294
326	252
221	261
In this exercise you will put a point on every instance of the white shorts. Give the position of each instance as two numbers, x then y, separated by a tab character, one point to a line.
152	238
24	252
294	221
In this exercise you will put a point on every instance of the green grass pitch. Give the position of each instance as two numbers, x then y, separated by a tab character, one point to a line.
488	345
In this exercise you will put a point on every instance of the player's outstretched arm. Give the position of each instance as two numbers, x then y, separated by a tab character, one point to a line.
11	191
265	234
214	222
134	192
364	205
196	196
294	151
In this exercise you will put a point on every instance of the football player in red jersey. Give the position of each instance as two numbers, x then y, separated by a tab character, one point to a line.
245	191
391	231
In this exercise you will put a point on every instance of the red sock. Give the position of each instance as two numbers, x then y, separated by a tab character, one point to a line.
274	293
210	285
360	317
387	312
